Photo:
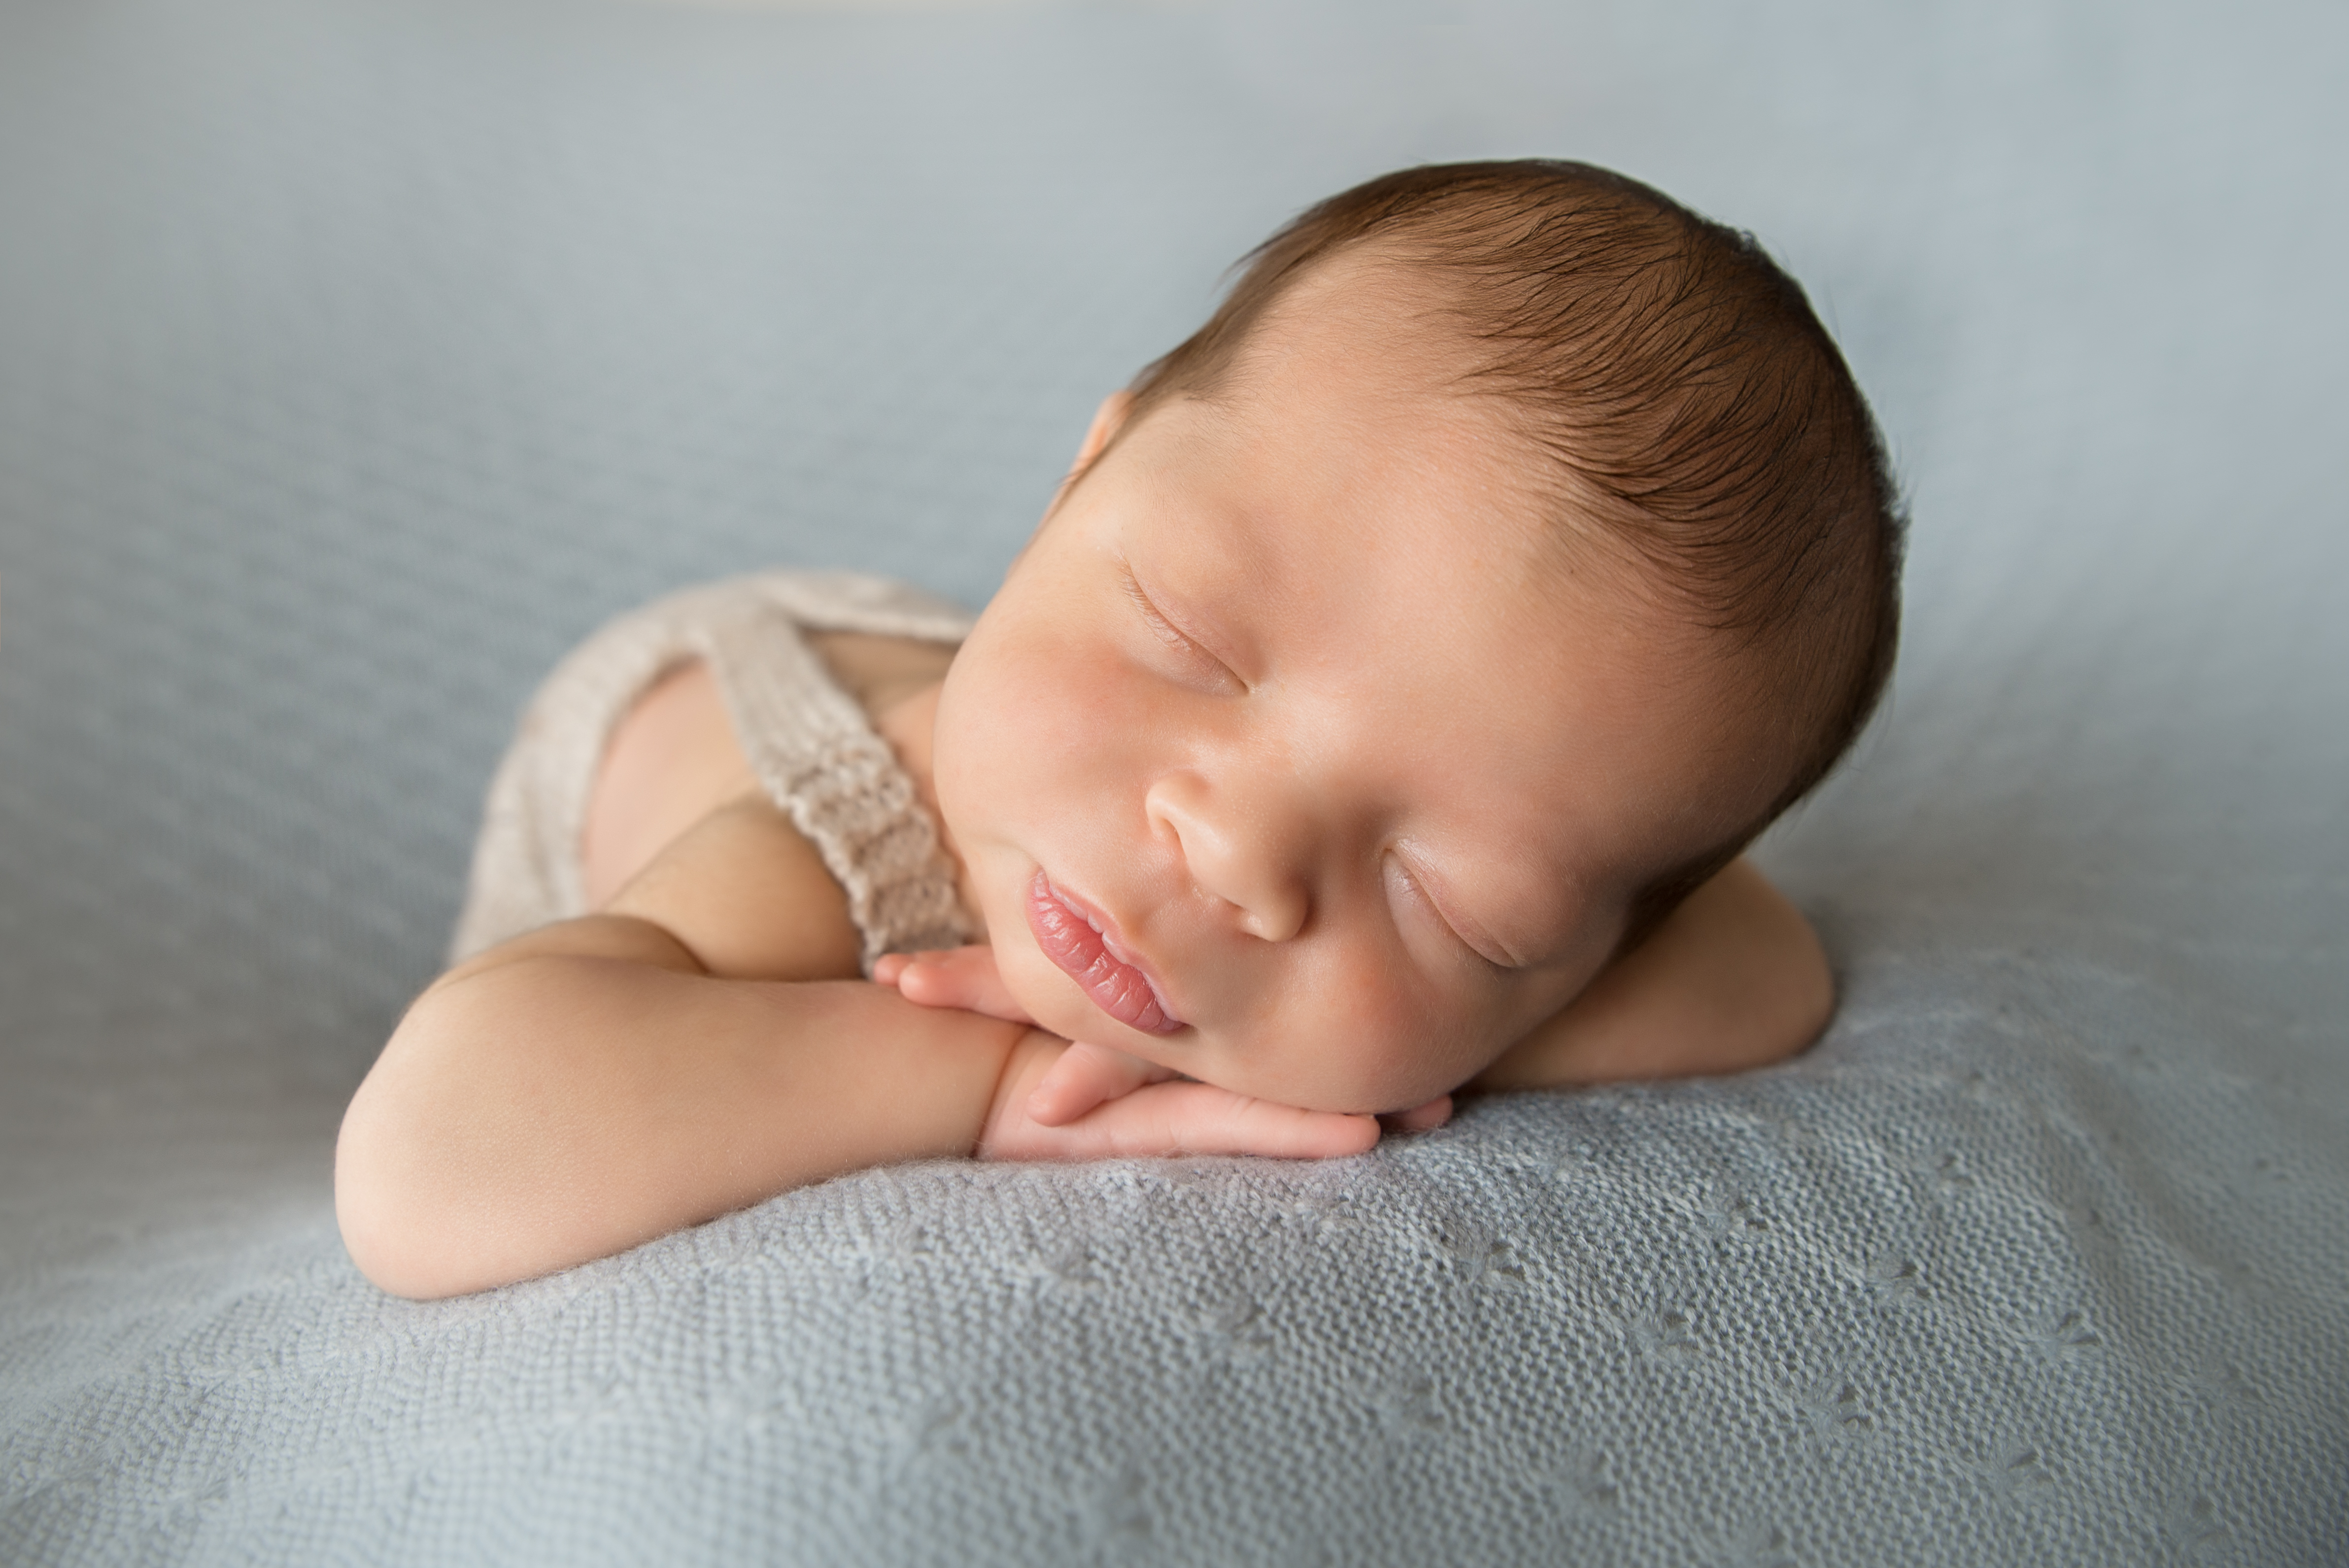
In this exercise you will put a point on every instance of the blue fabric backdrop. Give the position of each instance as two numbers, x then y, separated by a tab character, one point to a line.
356	357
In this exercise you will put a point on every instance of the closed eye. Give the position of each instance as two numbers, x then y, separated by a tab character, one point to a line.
1185	648
1415	891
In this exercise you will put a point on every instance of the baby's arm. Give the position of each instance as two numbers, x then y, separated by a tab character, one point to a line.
602	1081
1734	978
594	1083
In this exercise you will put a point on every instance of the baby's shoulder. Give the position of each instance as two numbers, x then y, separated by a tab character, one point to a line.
675	799
671	759
680	832
674	757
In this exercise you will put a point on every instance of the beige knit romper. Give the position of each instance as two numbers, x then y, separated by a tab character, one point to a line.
808	742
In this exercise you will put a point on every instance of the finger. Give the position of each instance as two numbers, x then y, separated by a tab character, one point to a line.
1421	1118
958	977
1085	1077
1197	1119
889	966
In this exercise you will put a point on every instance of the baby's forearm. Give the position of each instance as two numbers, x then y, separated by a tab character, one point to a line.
583	1091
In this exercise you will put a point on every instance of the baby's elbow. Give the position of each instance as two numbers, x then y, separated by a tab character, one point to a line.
379	1204
378	1231
1812	1009
404	1183
1799	994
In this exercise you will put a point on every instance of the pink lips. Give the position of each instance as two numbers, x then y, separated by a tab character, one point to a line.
1072	937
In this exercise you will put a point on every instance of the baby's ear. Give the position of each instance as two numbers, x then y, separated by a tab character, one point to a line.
1108	420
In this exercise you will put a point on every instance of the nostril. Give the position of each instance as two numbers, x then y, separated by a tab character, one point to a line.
1273	916
1231	855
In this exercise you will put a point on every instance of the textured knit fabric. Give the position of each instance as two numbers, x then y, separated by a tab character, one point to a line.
358	357
808	742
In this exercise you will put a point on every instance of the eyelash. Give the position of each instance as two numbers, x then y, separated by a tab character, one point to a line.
1436	914
1170	634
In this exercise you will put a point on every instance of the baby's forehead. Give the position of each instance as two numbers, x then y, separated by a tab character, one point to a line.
1369	342
1376	307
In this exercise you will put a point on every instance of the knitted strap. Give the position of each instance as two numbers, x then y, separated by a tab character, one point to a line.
820	760
807	740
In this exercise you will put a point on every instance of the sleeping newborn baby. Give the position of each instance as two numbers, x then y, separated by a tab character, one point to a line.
1379	712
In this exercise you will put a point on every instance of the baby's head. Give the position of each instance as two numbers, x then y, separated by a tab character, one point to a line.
1509	549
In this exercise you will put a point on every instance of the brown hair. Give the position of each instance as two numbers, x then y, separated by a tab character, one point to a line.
1690	401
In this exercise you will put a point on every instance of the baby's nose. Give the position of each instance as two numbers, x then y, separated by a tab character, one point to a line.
1242	849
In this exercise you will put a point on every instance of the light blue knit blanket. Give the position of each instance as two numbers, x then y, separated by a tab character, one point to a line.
356	356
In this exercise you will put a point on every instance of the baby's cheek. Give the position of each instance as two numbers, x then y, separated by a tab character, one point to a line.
1386	1044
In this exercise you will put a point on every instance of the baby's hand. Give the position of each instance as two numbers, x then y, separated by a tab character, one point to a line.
1146	1112
1084	1076
1089	1075
952	977
1080	1101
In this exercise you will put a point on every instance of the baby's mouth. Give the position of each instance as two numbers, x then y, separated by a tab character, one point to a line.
1085	946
